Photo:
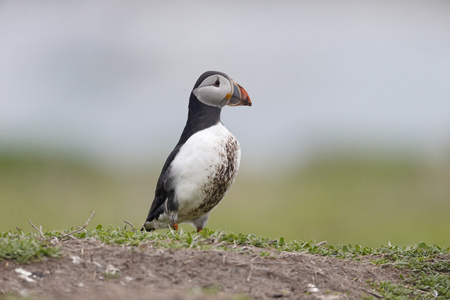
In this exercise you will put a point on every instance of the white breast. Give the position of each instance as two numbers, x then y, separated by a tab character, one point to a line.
198	165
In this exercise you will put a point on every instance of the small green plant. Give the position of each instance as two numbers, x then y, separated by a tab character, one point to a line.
111	275
25	247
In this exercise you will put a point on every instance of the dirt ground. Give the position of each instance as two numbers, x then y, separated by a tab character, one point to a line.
90	269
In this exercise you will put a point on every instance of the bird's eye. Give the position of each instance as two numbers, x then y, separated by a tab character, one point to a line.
217	83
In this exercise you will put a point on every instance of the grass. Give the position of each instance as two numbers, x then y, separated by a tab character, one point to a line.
425	268
370	201
25	247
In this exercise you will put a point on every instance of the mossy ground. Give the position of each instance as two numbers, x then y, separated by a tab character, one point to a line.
423	270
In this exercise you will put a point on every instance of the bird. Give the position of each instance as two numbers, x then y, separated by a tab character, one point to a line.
204	163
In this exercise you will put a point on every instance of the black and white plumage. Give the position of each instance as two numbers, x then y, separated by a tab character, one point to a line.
204	163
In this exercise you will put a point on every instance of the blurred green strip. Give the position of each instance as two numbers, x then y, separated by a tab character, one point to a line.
369	201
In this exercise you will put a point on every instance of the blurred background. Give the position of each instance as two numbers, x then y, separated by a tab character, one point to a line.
348	138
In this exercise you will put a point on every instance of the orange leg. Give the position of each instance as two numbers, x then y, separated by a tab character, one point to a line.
199	229
175	226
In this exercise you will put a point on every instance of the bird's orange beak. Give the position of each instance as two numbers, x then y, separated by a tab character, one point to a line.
238	95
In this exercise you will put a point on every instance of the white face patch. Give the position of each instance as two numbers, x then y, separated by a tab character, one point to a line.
215	90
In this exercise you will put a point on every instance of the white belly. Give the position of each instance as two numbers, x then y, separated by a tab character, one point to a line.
203	171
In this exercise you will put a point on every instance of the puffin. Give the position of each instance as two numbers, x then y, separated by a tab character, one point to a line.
204	163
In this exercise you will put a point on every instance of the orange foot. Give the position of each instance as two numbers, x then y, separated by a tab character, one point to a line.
175	226
199	229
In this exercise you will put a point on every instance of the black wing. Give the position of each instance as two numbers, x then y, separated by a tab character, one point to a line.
162	192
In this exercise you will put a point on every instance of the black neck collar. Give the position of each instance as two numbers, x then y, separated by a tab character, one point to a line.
200	116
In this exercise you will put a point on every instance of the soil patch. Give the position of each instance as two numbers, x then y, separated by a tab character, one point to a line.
89	269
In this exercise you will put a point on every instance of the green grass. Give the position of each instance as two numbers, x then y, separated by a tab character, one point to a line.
426	268
25	247
370	201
